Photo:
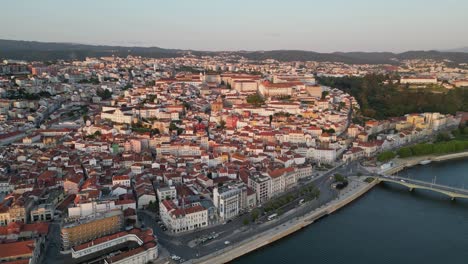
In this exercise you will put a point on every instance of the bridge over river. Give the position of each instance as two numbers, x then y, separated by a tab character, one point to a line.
452	192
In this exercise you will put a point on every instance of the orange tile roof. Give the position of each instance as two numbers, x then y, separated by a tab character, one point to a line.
17	249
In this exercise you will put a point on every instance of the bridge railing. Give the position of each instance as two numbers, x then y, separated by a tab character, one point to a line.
425	184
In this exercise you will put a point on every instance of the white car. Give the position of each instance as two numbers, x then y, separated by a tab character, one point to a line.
227	242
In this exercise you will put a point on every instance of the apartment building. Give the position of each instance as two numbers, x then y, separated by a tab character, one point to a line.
182	219
79	231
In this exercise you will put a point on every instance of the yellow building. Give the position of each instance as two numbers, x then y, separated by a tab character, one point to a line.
83	230
414	120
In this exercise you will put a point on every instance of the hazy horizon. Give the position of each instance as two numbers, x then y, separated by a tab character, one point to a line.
334	26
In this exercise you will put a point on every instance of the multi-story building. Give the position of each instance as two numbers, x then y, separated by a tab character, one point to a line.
146	251
123	180
42	212
262	186
418	80
4	186
166	193
85	209
227	199
26	251
79	231
182	219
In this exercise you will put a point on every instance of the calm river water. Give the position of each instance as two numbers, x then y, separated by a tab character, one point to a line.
387	225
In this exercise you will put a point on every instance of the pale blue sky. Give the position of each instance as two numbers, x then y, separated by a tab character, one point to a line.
324	26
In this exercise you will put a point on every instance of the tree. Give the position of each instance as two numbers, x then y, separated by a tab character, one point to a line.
405	152
172	126
245	221
255	99
127	86
254	214
442	137
104	93
155	131
386	156
380	98
340	178
324	94
222	124
150	83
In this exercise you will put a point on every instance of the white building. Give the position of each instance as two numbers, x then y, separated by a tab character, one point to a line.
418	80
147	250
232	199
86	209
123	180
182	219
166	193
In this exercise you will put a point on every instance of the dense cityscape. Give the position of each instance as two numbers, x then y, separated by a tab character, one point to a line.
136	160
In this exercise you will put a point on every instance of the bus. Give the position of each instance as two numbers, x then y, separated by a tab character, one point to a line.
271	217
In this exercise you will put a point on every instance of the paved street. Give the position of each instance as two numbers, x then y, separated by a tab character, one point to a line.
184	245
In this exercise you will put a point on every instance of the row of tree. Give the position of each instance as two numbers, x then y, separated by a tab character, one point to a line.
436	148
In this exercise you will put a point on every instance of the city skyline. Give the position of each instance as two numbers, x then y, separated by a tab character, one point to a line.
259	25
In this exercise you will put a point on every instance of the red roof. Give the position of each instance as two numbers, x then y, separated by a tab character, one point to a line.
17	249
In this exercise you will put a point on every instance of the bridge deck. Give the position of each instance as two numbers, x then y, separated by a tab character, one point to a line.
415	184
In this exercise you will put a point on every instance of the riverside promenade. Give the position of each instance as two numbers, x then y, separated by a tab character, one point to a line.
401	164
355	189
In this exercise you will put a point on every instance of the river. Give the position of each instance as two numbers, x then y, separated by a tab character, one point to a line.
387	225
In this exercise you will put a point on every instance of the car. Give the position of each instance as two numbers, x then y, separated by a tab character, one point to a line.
402	180
227	242
175	257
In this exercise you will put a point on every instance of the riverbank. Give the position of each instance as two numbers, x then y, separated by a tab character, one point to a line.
355	190
401	164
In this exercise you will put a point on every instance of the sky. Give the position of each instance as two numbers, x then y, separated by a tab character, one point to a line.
322	26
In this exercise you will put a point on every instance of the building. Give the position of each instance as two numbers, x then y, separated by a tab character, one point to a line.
227	199
232	199
182	219
418	80
42	212
261	185
86	209
146	251
27	251
166	193
79	231
123	180
245	85
461	83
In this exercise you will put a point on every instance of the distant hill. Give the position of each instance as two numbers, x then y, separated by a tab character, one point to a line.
33	50
357	57
464	49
